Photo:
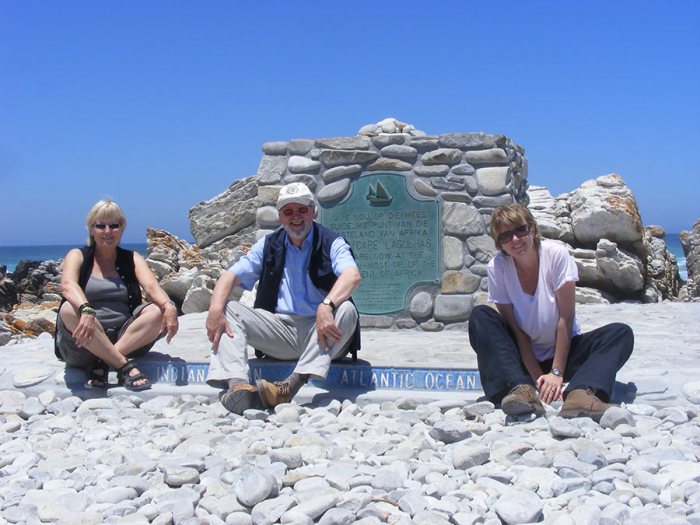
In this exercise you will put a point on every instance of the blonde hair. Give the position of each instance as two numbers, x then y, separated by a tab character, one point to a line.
103	209
512	216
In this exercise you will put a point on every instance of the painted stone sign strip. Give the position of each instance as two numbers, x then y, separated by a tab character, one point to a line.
395	238
383	378
434	380
176	373
364	377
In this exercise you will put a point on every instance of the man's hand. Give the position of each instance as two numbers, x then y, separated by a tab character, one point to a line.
326	330
550	387
217	325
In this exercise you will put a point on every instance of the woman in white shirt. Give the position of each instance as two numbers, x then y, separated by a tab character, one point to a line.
531	346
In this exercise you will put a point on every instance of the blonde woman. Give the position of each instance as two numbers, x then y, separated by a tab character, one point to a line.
531	345
102	321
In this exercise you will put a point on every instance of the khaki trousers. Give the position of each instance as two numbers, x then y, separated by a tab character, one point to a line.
284	337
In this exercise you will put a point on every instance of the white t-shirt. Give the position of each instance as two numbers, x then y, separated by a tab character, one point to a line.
536	314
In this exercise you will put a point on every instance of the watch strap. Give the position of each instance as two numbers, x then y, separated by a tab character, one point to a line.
330	303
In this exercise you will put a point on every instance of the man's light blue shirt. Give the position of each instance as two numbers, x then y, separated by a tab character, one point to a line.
297	295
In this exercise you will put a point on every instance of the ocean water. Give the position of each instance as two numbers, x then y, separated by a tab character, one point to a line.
673	243
11	255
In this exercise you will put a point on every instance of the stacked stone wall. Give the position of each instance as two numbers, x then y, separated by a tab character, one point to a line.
468	174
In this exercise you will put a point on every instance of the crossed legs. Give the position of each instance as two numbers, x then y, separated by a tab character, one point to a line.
139	333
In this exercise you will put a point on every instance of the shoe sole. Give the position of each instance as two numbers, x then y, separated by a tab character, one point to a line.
239	402
518	408
140	388
571	414
90	386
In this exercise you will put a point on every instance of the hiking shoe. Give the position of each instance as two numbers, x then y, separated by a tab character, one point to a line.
273	394
522	399
241	397
583	403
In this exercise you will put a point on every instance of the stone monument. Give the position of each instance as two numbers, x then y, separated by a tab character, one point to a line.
414	208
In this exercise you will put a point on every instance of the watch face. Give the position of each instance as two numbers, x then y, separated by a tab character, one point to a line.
556	372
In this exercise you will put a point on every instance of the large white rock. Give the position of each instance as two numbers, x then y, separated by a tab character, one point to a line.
609	269
177	285
225	214
199	295
31	376
691	391
605	208
492	181
552	215
518	506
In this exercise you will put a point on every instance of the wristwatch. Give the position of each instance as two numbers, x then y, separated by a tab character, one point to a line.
556	372
328	302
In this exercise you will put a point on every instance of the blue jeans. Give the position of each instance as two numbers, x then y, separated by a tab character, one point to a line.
594	357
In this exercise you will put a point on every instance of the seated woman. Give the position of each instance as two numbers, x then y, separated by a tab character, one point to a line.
533	340
102	321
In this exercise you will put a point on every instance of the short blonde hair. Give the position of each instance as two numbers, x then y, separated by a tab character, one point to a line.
101	210
512	216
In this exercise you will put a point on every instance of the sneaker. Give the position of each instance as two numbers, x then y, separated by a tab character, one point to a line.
522	399
273	394
241	397
583	403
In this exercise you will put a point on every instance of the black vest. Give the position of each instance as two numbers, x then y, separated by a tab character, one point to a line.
320	269
126	270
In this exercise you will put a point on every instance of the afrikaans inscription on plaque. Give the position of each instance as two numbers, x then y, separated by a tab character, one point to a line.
395	238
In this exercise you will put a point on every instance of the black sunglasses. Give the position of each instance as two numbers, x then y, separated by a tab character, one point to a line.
519	232
112	226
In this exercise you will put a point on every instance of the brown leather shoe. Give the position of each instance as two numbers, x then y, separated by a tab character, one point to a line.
582	402
273	394
241	397
522	399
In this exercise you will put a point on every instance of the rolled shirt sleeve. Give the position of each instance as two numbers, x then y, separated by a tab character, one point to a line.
248	267
497	288
341	256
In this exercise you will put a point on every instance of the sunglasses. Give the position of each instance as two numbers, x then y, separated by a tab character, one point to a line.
112	226
288	212
519	232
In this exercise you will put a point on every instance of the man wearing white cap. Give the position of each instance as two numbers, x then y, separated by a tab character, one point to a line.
306	274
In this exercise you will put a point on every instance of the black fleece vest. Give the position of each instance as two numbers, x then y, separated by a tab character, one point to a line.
320	269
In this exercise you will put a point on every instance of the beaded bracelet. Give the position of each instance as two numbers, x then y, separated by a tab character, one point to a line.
87	308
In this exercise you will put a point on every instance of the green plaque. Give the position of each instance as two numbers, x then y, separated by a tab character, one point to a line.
395	238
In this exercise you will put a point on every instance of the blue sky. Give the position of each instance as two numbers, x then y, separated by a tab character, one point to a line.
161	104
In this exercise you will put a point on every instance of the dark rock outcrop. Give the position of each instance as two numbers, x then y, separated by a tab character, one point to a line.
29	298
691	247
38	281
8	291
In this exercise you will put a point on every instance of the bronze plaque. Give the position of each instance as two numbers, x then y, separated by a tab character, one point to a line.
394	236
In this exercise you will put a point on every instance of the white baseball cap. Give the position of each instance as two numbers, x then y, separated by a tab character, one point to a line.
296	193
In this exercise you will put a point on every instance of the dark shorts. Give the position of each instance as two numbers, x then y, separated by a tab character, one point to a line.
75	355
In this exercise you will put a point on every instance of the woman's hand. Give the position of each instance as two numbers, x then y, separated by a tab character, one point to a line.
85	330
170	322
551	387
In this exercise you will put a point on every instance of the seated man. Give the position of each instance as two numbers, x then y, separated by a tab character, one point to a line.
302	311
